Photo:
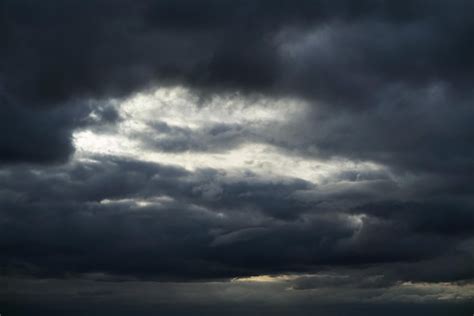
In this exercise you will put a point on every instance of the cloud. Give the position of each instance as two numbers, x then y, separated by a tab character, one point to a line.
322	145
202	224
341	54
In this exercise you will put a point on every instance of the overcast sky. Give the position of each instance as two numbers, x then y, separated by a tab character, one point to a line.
246	157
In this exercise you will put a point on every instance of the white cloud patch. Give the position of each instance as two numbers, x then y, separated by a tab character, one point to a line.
232	133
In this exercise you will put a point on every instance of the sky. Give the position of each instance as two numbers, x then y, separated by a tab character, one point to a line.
246	157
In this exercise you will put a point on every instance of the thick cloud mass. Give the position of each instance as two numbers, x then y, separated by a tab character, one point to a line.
226	152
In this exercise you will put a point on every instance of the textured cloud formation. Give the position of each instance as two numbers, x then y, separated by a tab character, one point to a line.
212	153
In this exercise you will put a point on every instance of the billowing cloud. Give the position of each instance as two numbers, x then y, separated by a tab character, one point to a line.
214	153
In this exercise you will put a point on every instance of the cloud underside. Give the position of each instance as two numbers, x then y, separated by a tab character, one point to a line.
227	151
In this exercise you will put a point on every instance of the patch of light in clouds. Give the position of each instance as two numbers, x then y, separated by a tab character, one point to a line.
178	107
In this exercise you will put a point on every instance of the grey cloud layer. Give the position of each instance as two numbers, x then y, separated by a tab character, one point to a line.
385	82
348	55
87	217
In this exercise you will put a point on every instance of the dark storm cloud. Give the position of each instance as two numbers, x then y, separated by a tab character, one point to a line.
426	131
89	202
56	51
130	218
27	134
387	82
53	54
